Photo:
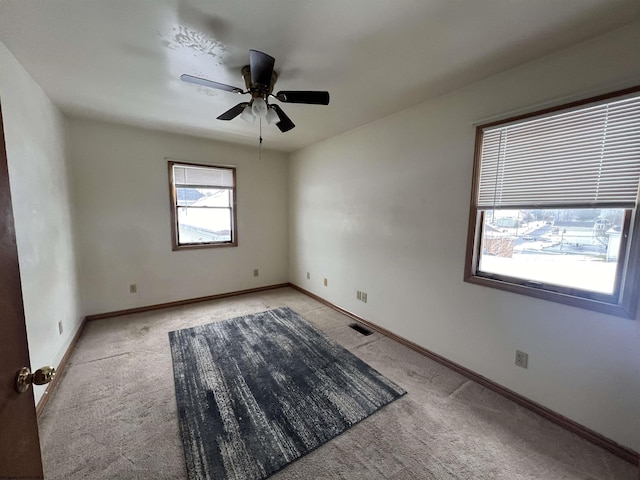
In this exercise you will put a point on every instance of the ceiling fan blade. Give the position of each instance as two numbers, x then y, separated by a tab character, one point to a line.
304	96
233	112
209	83
285	124
261	66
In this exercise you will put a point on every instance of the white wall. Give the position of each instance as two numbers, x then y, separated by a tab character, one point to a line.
121	195
35	141
384	209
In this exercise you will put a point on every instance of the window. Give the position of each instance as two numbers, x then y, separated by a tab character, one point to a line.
203	200
554	204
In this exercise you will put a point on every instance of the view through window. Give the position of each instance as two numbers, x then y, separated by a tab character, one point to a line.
574	248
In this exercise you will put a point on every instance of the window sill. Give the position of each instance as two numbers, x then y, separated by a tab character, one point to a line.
204	245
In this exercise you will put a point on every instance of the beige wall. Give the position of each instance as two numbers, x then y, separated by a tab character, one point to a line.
121	198
384	209
36	153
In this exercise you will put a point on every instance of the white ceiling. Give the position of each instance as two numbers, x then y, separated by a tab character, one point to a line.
121	60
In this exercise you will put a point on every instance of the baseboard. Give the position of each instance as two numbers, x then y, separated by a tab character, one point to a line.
179	303
580	430
59	369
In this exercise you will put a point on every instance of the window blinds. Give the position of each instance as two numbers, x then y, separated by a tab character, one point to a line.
588	156
202	176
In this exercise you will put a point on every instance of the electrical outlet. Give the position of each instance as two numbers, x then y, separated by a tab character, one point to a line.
308	276
256	272
60	327
522	359
359	295
326	282
133	288
364	297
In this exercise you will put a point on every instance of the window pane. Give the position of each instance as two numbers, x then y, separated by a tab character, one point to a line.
203	197
204	225
574	248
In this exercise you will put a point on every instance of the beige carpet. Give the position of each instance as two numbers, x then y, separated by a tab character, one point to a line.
113	415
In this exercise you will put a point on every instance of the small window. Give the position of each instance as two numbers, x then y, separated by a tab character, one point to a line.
554	204
203	200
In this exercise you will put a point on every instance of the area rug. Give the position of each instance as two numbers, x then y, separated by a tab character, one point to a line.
255	393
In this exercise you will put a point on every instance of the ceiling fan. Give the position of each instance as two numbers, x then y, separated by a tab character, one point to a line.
259	78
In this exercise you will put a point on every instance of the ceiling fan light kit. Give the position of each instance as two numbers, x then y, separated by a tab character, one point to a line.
272	117
259	78
259	107
247	114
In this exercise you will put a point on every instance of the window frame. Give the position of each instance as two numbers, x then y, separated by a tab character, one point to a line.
175	245
626	303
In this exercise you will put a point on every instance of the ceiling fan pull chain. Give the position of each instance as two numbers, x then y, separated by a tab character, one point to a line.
260	146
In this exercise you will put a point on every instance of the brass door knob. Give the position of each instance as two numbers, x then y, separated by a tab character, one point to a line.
41	376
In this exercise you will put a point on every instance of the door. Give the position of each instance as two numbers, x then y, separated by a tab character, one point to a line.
19	441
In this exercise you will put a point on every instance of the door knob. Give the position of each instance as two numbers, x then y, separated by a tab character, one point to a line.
39	377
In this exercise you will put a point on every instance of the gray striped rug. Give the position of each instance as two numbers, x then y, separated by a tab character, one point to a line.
257	392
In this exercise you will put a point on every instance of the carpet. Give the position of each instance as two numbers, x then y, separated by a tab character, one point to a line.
257	392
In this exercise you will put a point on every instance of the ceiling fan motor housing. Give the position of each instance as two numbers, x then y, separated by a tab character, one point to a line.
258	90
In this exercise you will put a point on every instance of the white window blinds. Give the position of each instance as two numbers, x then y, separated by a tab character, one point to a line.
202	176
589	156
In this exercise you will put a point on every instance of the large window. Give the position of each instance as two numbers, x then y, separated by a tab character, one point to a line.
203	200
554	204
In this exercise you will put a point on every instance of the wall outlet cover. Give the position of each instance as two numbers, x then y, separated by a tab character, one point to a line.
256	272
133	288
522	359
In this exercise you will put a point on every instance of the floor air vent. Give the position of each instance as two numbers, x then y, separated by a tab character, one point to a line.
360	329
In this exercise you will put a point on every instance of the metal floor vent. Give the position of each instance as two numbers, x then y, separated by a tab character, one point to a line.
360	329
